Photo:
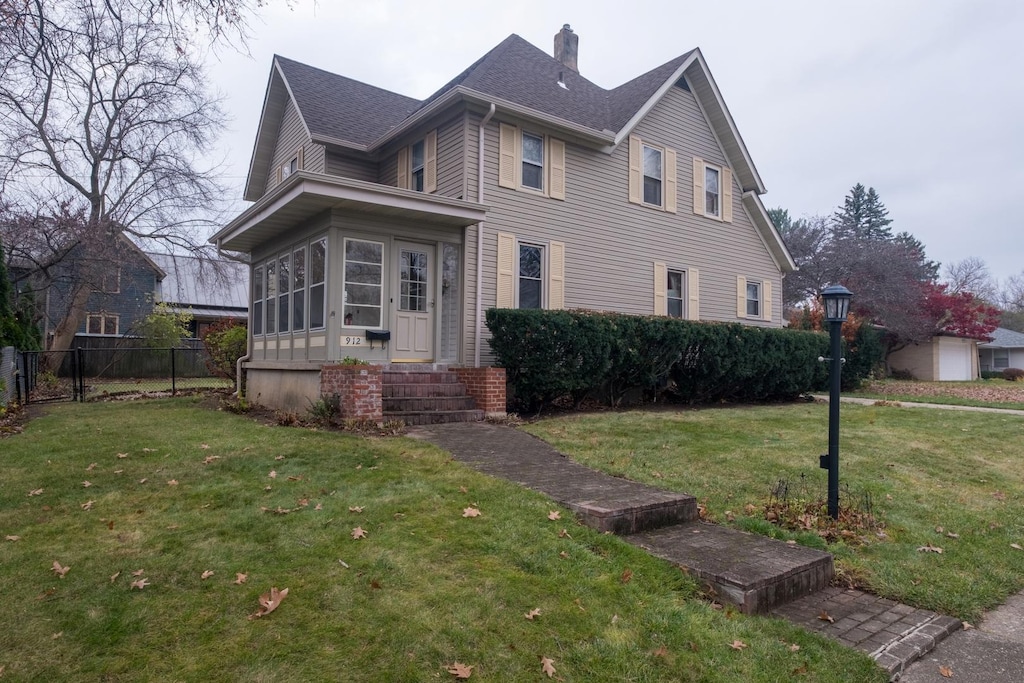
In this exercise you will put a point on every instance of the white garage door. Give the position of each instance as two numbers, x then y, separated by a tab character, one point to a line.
954	360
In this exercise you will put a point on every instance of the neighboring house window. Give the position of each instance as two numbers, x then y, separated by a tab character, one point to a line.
363	284
284	281
533	161
317	280
712	190
417	165
674	294
101	323
652	175
753	299
299	289
110	282
1000	359
530	289
530	274
711	193
530	161
257	300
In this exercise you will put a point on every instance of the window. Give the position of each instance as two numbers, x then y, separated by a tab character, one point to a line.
291	166
417	167
753	299
1000	359
674	294
530	161
284	283
533	161
271	299
101	323
712	190
317	278
711	193
363	286
652	176
531	276
110	282
299	289
257	300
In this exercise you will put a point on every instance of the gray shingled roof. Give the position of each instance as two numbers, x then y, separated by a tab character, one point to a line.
514	70
202	283
342	108
1003	338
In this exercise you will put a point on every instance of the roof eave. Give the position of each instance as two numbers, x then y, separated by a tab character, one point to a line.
769	233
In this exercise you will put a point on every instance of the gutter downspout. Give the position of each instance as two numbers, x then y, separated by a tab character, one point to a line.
248	345
480	237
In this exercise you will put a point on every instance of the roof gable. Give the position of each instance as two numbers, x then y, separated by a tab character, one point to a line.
1003	338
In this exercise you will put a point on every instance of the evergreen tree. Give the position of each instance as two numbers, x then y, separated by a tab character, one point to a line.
863	215
16	327
876	217
780	217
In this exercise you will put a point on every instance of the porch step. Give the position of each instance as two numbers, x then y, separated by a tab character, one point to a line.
752	571
421	394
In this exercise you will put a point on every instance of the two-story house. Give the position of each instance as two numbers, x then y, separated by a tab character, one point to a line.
519	183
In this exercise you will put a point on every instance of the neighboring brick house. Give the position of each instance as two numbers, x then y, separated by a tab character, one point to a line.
518	184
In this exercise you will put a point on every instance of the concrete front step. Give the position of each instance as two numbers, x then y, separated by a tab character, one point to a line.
435	416
428	403
754	572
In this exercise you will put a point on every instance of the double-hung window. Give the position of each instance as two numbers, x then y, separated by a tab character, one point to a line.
101	323
417	164
257	300
712	190
299	289
674	294
416	182
533	161
652	175
271	300
284	282
1000	359
317	280
712	196
364	284
530	289
753	299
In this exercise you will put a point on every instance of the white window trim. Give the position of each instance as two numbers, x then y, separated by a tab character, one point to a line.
266	299
669	172
344	260
759	300
765	298
510	162
717	169
683	275
644	146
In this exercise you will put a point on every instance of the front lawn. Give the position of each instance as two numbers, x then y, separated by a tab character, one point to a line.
170	521
945	479
985	393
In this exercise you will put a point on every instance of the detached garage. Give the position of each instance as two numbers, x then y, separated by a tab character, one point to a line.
943	358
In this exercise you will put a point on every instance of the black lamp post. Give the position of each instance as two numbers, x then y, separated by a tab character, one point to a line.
837	305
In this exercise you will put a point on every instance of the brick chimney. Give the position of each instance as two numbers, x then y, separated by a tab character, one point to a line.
567	47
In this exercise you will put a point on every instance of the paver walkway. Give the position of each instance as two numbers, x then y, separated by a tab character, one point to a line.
755	572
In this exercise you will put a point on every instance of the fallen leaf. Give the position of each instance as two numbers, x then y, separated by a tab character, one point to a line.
800	670
950	534
794	648
939	530
110	524
138	572
240	578
118	471
459	670
660	652
825	616
930	549
12	538
122	456
470	512
967	625
554	514
319	506
358	533
627	575
564	534
56	635
375	585
547	665
738	645
273	474
615	619
749	509
729	516
294	478
535	612
87	505
579	604
888	496
946	672
266	488
303	502
91	467
35	492
86	484
279	457
59	570
149	450
356	508
204	446
205	575
1016	546
269	602
999	495
113	577
463	489
210	458
791	542
139	583
172	482
143	480
564	555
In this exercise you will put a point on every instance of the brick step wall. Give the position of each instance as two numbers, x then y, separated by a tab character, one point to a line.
420	396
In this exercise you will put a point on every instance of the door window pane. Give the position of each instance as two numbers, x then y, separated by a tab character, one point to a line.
413	280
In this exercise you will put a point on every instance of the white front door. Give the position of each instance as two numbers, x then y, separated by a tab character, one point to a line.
414	303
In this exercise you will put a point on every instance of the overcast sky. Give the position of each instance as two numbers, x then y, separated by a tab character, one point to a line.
922	100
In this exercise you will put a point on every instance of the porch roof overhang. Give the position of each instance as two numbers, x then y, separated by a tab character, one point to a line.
303	195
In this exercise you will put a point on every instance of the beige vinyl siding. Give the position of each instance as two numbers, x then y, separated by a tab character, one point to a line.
291	136
610	243
347	167
450	161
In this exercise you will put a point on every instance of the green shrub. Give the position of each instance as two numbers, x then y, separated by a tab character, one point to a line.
1013	374
991	374
226	341
550	355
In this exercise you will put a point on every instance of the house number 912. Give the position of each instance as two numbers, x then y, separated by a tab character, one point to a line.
352	341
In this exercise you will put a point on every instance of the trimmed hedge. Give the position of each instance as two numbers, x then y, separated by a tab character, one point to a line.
550	355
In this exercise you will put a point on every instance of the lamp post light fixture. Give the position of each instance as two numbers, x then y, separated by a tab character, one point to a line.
837	306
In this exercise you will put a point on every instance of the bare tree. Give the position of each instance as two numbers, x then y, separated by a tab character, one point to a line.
104	119
972	276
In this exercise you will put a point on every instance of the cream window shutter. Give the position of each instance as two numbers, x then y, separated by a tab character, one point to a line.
670	180
403	168
741	296
556	276
636	178
430	162
660	288
556	165
698	186
507	156
726	194
506	275
766	311
693	294
300	161
279	175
